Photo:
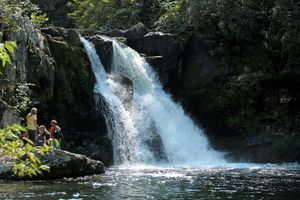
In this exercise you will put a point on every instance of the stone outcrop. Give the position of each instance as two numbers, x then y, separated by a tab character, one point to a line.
62	164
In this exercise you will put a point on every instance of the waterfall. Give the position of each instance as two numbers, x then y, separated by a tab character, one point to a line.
153	128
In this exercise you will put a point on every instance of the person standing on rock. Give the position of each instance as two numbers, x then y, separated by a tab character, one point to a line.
56	133
31	121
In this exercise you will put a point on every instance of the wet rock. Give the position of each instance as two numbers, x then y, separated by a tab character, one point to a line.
166	68
66	164
125	90
62	164
104	49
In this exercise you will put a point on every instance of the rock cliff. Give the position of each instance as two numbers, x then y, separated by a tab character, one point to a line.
253	116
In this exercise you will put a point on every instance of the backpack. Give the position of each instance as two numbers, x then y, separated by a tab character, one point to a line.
57	133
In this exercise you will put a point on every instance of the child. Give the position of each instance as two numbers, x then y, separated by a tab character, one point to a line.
43	136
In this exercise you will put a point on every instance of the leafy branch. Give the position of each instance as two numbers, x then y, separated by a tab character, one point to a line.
23	158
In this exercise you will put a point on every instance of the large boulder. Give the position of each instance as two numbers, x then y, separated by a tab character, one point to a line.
66	164
62	164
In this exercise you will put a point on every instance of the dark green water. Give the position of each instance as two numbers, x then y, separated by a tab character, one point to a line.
230	182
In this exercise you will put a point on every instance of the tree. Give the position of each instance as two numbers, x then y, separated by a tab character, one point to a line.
103	14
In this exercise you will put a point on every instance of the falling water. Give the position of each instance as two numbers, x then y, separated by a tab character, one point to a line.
153	128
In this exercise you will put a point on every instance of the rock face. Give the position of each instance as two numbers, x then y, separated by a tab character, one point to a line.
33	64
104	49
73	104
253	116
63	164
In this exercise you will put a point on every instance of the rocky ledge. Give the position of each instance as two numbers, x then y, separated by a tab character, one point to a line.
63	164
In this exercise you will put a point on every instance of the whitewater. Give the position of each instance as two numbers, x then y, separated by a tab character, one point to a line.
153	113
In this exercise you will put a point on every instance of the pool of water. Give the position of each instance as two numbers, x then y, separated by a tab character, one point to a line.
146	182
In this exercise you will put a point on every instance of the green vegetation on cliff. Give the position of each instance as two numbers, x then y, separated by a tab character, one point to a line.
11	13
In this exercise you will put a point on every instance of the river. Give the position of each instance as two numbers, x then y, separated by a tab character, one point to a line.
234	181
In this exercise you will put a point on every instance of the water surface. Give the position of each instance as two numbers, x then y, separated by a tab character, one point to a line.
230	182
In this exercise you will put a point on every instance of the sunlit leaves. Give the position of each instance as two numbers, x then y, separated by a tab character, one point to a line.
38	19
6	49
174	16
10	46
4	56
24	159
97	14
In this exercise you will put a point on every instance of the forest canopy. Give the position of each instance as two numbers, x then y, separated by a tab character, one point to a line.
232	29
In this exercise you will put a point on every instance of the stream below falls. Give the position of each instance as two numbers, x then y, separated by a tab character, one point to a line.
234	181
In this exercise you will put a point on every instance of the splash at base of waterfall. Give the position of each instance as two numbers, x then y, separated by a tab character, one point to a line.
153	128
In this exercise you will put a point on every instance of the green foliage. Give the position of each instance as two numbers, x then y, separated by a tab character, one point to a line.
97	14
174	16
13	10
11	13
38	19
5	50
24	158
241	32
242	97
56	10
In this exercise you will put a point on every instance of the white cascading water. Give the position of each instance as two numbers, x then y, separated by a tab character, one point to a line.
153	114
